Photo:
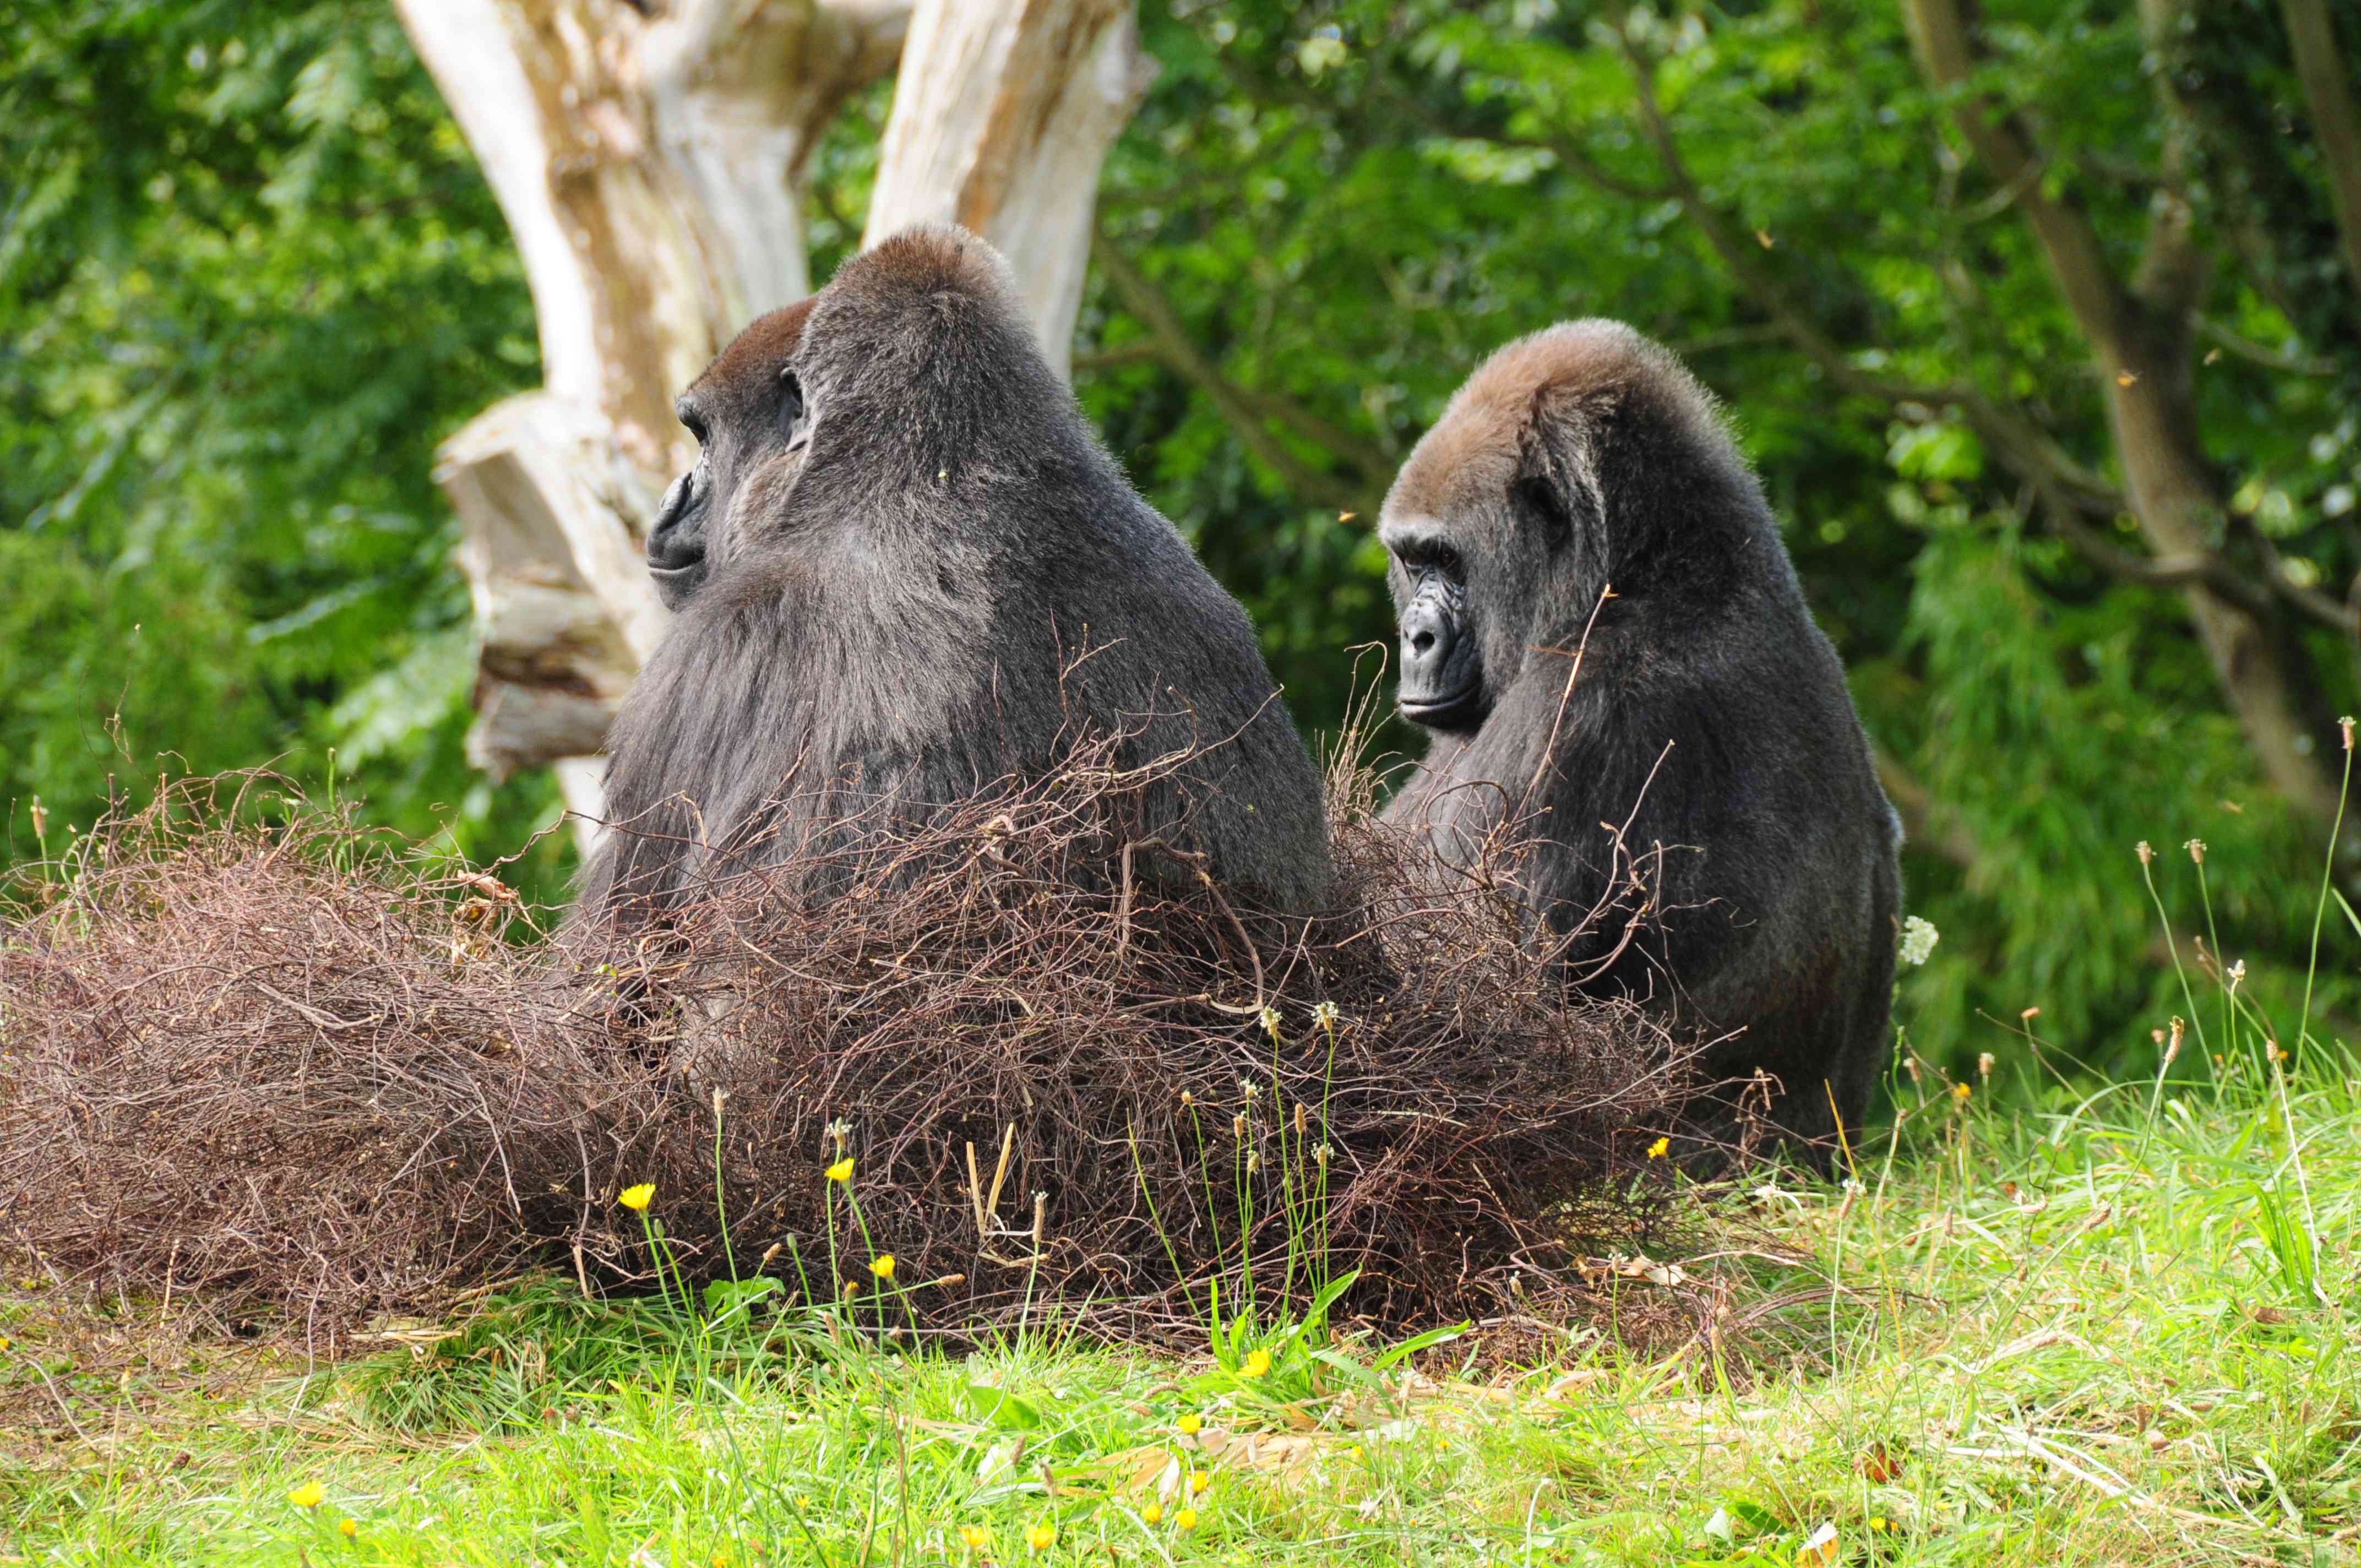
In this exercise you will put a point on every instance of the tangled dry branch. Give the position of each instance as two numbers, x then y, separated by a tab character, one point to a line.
253	1054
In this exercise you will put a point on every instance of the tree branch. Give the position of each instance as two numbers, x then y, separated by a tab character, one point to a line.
2325	609
2287	362
2153	570
2143	334
1251	414
2076	259
2021	442
1139	352
1928	823
1555	143
2327	92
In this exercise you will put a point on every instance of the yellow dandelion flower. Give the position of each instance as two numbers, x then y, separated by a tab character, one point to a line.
306	1496
350	1528
1186	1519
637	1198
1192	1424
1198	1482
842	1170
1258	1363
976	1537
1353	1450
1041	1537
1658	1149
1152	1514
881	1265
1960	1091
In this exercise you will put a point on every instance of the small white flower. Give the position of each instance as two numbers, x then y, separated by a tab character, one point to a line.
1919	939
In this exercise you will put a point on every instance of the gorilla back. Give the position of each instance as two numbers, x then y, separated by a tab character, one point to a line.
1602	630
908	575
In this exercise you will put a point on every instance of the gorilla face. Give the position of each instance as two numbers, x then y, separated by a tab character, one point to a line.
1442	667
752	424
1479	541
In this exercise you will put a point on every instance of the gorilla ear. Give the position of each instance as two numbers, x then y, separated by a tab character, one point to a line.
1540	506
795	415
1551	493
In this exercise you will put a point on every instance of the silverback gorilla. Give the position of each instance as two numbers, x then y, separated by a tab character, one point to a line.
1602	630
908	575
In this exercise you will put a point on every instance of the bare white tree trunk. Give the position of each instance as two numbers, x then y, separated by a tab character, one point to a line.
1002	115
650	159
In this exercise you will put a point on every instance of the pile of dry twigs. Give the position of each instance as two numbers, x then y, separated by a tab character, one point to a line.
261	1058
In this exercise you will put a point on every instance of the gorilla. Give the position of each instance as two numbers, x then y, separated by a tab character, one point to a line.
1604	637
908	576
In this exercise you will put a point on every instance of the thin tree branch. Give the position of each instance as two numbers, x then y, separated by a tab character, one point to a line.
2076	259
1554	142
2328	94
2154	571
1928	824
1251	414
2291	362
2021	445
2325	609
1745	263
1140	353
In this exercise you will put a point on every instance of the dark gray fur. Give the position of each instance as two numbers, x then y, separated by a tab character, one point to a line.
1709	712
899	543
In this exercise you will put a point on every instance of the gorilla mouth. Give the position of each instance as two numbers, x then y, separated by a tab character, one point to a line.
677	583
1440	712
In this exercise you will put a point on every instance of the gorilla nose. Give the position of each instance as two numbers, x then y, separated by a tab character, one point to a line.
670	546
1426	639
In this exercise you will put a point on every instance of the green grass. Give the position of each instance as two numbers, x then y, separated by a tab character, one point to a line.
2069	1329
2035	1323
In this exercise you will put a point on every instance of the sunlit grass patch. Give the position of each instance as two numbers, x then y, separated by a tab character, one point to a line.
2034	1334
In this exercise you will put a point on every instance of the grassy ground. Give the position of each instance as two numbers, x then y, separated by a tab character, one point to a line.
2041	1326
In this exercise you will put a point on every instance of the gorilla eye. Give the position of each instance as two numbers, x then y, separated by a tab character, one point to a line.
1433	556
695	422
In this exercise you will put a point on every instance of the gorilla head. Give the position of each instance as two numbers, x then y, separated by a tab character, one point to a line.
908	576
1497	525
1603	634
752	426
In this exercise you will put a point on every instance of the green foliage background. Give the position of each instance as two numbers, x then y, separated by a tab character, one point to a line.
249	277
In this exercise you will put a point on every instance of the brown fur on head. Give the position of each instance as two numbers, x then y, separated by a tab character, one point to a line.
755	354
1555	472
